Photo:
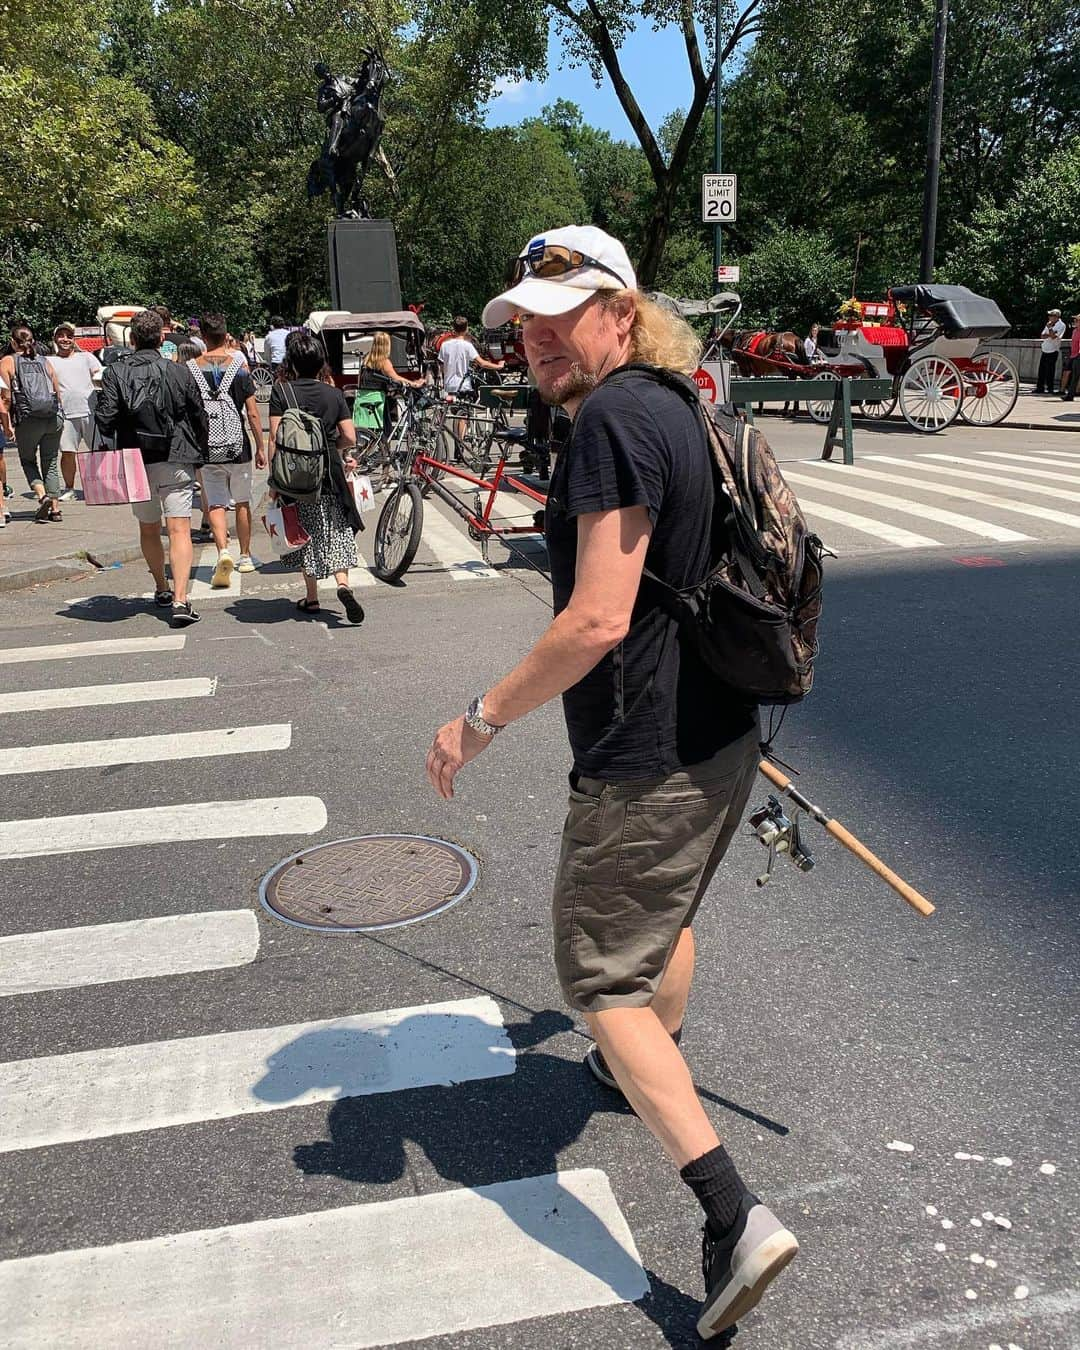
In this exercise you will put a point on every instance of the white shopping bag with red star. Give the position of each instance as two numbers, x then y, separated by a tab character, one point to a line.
362	491
282	524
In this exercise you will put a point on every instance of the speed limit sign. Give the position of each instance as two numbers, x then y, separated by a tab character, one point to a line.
718	198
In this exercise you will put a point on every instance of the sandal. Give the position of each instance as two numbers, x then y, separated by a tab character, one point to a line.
43	512
353	608
308	606
56	514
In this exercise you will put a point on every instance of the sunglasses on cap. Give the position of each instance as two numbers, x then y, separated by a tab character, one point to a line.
554	260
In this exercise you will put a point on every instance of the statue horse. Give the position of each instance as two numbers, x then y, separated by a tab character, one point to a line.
758	352
342	170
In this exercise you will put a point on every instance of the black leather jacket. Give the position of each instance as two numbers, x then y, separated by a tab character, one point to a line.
118	386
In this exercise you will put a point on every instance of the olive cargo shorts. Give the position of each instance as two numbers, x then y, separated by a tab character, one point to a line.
636	860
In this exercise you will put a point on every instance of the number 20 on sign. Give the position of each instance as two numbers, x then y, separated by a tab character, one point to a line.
718	198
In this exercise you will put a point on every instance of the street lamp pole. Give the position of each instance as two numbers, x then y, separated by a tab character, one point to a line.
933	145
718	245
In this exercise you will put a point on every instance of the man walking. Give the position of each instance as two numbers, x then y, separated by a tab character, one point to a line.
78	375
1070	379
274	343
228	391
663	762
153	403
1052	333
457	356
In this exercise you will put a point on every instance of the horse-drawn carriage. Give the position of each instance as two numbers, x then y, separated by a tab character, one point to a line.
925	337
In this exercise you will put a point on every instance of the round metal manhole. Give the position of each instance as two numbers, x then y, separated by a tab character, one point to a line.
370	882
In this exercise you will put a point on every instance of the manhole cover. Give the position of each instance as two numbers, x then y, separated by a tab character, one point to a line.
374	881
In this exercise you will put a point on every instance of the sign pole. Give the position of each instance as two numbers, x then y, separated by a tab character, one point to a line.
718	245
933	144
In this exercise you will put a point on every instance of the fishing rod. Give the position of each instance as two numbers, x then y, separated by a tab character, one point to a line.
779	833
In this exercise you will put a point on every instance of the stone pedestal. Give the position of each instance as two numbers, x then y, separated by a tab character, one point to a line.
363	266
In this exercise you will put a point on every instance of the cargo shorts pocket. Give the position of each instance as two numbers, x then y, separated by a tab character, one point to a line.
667	837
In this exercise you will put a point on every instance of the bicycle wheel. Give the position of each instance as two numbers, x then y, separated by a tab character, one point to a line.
429	440
371	459
263	379
397	534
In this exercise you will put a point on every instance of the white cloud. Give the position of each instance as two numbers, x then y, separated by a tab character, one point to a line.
508	90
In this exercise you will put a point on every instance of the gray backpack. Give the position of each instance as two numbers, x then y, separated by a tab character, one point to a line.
33	394
299	465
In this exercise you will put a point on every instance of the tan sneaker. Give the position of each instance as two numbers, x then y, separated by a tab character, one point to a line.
222	577
246	563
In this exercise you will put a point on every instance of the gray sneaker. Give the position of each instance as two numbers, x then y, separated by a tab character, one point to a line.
739	1267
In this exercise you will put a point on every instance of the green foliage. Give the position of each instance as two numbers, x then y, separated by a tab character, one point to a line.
790	279
1023	252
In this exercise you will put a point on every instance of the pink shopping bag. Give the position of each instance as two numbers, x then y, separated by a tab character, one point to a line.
113	477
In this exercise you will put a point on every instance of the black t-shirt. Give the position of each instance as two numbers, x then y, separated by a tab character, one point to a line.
649	707
324	401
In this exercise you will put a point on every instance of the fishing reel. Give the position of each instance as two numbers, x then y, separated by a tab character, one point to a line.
779	834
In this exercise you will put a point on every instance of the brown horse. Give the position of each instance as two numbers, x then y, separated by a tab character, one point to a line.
757	352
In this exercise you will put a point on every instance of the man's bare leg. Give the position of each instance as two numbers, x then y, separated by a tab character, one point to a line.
179	555
154	552
669	1004
243	528
653	1075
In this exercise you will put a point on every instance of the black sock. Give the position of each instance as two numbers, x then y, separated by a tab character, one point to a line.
718	1187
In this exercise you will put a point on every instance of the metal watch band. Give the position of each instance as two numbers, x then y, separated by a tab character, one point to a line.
474	717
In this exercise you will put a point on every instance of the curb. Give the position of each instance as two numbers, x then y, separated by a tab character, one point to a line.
65	568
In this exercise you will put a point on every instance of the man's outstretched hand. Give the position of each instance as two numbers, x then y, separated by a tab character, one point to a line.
454	746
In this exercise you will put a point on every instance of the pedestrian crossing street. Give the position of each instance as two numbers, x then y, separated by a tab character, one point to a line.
372	1274
935	498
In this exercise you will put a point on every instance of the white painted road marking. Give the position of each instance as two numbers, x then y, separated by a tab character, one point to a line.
878	529
102	695
1035	465
93	1094
822	481
68	958
365	1275
453	550
1057	1307
358	576
966	494
64	651
146	749
46	835
1022	479
200	588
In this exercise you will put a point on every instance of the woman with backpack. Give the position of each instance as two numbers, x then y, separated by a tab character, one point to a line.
303	394
38	418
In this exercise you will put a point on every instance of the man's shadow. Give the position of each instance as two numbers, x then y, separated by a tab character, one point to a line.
483	1133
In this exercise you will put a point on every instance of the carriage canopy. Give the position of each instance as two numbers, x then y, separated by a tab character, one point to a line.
960	312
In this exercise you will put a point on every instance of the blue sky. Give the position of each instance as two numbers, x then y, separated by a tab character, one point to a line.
655	67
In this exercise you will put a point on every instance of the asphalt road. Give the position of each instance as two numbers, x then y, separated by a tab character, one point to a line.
828	1020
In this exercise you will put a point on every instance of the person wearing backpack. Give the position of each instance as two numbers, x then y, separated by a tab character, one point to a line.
38	419
228	393
154	404
664	756
311	436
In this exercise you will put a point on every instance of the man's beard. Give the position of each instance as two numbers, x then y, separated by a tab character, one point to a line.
574	384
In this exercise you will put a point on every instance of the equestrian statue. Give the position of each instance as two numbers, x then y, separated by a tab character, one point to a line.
354	125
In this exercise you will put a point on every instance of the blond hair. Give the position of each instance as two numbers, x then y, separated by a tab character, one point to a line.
658	337
380	349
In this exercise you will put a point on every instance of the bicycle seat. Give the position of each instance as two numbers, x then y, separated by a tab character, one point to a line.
507	395
515	435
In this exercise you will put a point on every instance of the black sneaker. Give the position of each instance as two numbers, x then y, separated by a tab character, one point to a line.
163	599
353	608
597	1065
183	616
740	1266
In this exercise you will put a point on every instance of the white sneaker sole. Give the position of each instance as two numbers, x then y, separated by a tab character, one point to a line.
222	577
744	1290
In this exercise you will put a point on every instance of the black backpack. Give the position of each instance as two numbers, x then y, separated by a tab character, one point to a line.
148	407
33	394
753	618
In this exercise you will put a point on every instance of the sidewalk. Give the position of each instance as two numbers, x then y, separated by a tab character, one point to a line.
1043	412
31	553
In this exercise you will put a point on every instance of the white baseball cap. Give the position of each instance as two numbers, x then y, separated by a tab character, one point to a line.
591	260
1054	311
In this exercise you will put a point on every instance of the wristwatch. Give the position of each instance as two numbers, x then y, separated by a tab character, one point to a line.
474	717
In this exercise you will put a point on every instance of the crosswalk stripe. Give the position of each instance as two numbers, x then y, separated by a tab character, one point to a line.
966	494
103	695
176	944
1036	465
40	837
361	1276
64	651
982	528
146	749
878	529
1021	480
94	1094
358	576
453	551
